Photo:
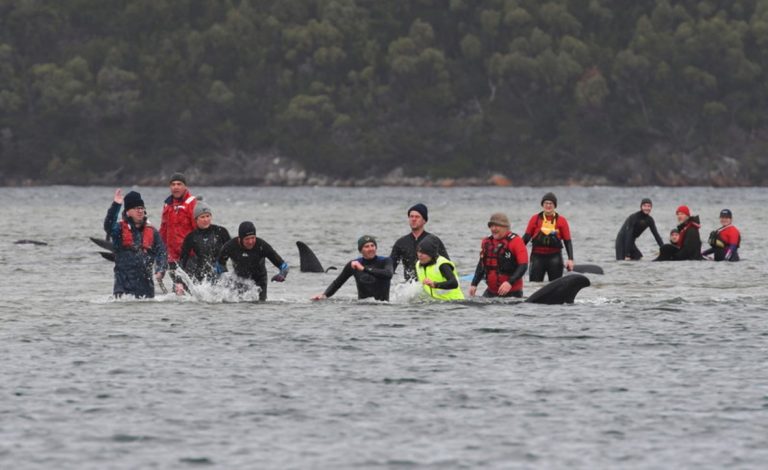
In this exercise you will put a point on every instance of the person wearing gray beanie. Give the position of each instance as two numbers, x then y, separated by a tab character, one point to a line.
201	248
404	249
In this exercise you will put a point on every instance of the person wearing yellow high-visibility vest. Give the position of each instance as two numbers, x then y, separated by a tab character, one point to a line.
436	273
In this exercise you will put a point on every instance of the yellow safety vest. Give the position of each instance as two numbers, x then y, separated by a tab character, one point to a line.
433	272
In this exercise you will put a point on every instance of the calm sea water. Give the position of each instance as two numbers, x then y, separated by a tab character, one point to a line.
656	365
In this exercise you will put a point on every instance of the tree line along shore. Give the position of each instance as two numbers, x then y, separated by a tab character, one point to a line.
360	92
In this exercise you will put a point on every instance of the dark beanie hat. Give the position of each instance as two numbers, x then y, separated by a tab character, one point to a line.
178	177
421	209
429	246
549	197
645	201
246	229
726	213
365	239
132	200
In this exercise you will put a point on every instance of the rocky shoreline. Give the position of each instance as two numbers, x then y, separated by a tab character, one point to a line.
274	170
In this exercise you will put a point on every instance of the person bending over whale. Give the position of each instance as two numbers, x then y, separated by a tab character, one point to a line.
633	227
725	241
373	274
248	254
548	232
436	273
404	248
503	261
138	247
204	244
688	246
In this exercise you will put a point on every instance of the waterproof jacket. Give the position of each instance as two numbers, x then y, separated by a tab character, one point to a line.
136	264
178	222
689	243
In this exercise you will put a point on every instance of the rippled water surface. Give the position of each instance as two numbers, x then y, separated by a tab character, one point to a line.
656	365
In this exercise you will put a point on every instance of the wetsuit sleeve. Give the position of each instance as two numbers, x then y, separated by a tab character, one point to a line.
531	229
479	273
272	255
450	277
707	252
345	274
225	237
223	257
441	250
384	272
395	255
652	225
110	221
565	235
185	249
569	249
161	254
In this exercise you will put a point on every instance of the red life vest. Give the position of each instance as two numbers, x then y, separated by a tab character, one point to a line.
147	236
498	260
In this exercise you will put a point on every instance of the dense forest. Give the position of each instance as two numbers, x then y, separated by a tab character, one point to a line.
635	92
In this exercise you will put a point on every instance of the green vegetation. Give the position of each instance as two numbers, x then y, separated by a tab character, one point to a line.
627	90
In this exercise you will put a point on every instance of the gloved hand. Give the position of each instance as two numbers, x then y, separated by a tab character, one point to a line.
278	278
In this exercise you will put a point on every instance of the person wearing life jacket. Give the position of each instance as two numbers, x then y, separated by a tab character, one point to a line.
503	261
140	255
436	273
178	219
725	241
404	248
201	247
373	274
248	255
548	232
689	243
633	227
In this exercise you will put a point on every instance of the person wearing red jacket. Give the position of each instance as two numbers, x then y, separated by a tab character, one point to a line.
503	261
178	219
548	233
725	241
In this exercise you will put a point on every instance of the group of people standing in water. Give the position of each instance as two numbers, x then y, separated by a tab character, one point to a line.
684	240
188	239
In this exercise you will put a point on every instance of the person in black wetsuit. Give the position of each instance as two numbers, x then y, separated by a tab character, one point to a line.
373	274
202	246
404	248
633	227
248	254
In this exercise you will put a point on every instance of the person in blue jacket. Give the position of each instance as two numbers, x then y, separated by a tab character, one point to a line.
140	254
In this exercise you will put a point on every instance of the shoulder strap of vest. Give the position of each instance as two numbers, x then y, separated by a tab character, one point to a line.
189	199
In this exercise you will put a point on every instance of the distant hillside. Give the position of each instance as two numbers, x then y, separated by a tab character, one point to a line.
642	92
